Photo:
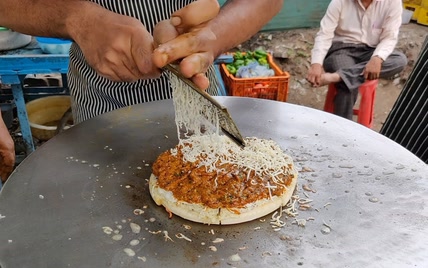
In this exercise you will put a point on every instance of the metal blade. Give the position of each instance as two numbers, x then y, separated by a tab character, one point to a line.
226	122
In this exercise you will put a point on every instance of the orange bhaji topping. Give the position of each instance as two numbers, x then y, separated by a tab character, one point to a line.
227	187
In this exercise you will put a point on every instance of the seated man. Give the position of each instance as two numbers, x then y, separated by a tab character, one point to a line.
355	43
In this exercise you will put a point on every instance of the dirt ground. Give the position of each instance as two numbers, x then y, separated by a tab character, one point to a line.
291	49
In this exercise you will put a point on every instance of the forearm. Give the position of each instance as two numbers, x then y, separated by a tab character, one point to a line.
239	20
385	48
323	42
57	18
325	35
390	31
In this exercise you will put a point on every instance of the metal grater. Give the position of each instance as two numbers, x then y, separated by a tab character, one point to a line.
226	122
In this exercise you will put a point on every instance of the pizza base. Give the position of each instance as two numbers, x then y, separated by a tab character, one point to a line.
202	214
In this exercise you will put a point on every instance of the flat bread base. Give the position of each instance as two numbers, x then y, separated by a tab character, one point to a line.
202	214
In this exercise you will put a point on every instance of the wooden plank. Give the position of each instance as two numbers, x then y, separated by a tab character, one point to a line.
296	14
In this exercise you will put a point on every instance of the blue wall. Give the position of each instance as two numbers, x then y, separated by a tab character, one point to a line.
296	14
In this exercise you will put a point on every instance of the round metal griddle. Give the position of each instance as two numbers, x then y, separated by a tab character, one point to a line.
368	210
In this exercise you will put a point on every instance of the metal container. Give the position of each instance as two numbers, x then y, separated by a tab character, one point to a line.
45	113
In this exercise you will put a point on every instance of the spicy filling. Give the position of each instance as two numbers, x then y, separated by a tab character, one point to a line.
228	185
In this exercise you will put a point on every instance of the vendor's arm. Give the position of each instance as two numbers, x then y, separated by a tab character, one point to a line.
388	41
7	152
116	46
323	41
236	22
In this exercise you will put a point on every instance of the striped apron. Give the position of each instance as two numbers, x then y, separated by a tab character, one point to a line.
407	123
93	94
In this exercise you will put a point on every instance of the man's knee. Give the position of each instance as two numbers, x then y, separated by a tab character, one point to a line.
401	59
398	59
395	63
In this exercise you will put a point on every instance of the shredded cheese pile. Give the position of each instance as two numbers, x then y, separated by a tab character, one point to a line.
200	141
193	113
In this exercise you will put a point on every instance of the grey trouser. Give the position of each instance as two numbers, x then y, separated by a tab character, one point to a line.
349	61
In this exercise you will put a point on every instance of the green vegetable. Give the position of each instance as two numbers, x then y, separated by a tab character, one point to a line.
263	61
248	61
232	69
241	59
249	55
239	63
260	54
238	56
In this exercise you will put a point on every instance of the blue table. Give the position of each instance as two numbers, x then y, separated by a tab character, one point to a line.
15	65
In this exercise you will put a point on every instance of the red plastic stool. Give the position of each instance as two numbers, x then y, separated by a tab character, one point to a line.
365	110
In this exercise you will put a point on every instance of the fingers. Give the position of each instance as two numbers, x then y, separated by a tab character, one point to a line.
365	74
314	79
129	62
164	32
118	67
183	46
142	56
373	68
317	81
4	174
370	75
123	53
121	68
314	74
195	64
3	177
183	38
201	81
6	165
194	14
310	79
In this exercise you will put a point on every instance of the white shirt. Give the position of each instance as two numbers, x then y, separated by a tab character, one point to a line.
349	22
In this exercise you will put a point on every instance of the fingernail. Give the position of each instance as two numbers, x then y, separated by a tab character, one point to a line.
175	21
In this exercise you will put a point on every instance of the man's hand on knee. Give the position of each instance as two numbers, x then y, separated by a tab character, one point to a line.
372	69
314	74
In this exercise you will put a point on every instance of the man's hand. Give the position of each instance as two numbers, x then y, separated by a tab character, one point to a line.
7	152
185	37
314	74
118	47
372	69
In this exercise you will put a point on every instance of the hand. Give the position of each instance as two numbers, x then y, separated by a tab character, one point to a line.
314	74
372	69
186	37
7	152
118	47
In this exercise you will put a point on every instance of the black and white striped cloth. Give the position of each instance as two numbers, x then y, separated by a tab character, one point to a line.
93	94
407	123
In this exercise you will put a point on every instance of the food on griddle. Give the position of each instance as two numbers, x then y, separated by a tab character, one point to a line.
223	186
209	179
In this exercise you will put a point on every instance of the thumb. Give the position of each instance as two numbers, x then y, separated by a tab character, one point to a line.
194	14
163	32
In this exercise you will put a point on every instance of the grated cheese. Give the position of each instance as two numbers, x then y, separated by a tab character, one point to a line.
166	236
182	236
200	141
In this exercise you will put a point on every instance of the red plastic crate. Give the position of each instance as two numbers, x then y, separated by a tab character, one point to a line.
272	88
